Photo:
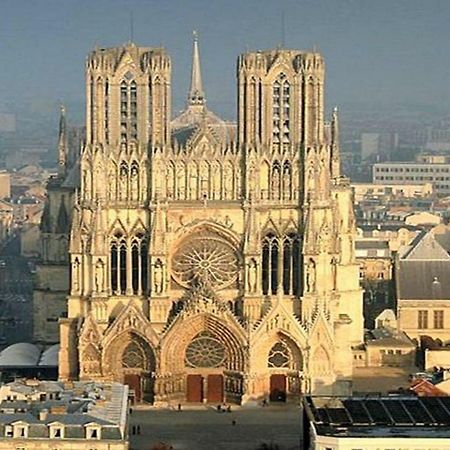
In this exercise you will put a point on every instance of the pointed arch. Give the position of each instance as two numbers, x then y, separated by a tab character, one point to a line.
285	354
320	362
90	359
275	176
269	273
228	180
265	180
134	180
175	343
171	180
287	181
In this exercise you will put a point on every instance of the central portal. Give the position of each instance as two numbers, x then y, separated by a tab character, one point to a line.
200	388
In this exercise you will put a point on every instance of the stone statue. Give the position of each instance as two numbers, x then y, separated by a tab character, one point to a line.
311	276
134	183
334	273
76	275
123	183
158	277
99	276
252	276
276	183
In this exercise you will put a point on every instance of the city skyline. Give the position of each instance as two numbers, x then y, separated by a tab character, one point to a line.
404	39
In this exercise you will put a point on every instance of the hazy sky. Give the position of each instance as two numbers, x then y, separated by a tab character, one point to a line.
382	52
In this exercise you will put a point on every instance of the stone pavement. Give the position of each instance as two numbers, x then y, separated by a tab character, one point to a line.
203	428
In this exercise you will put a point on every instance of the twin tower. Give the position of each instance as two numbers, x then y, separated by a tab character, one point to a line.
209	261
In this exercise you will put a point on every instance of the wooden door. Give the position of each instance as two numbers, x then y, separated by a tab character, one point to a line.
278	388
134	382
194	388
215	389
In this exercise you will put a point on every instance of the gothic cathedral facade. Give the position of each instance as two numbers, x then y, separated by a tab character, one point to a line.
209	261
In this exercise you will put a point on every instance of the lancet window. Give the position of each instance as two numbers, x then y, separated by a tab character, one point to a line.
106	109
281	264
129	265
281	91
92	105
128	108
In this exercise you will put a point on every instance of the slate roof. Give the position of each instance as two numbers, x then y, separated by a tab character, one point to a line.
423	269
423	280
369	244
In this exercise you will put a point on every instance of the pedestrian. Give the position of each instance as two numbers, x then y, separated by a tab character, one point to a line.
131	411
133	429
179	406
219	408
138	429
233	422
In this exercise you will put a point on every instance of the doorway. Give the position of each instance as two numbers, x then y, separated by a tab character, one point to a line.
278	388
194	389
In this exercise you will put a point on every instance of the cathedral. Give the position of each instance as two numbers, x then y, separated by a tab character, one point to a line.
211	261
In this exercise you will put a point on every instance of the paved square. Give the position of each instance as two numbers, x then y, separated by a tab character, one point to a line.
207	429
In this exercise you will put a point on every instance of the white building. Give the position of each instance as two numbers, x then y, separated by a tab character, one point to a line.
406	173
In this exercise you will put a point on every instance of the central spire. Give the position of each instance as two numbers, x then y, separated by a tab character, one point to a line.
196	95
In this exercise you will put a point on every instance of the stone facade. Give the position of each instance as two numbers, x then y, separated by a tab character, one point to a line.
51	282
209	262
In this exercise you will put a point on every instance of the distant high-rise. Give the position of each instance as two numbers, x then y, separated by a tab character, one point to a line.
208	263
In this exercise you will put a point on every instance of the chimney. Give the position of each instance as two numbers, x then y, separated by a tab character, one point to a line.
43	414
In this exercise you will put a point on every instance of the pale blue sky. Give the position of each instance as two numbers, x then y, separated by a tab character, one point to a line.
383	52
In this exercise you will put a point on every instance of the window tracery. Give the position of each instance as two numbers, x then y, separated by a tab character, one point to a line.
137	264
206	257
128	108
133	357
281	264
281	111
205	351
279	356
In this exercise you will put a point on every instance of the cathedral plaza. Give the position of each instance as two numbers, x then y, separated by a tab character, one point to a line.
203	428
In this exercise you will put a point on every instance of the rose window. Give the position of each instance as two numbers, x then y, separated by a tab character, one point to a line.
205	257
205	351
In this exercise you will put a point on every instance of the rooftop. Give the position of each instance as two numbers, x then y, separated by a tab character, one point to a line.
402	416
39	404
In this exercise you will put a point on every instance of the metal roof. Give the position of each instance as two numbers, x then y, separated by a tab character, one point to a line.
21	354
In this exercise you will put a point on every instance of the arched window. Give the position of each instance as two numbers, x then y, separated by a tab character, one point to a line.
123	111
106	111
133	110
270	250
291	264
279	356
205	350
118	255
139	264
276	181
133	357
286	250
287	181
92	108
114	267
281	91
128	108
135	266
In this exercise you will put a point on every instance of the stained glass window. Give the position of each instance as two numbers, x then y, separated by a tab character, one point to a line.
205	351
